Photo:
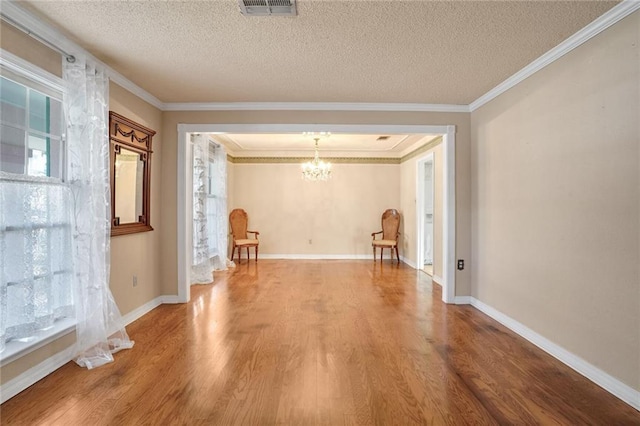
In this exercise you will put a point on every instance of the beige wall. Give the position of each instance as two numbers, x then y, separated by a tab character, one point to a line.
27	48
15	368
556	178
169	177
408	227
337	216
139	254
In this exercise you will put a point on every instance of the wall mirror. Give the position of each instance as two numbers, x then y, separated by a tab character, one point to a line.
130	165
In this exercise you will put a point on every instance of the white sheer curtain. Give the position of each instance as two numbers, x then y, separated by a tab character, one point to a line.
210	225
35	262
100	330
218	192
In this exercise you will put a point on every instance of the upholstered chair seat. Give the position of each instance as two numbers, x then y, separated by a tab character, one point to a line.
247	242
385	243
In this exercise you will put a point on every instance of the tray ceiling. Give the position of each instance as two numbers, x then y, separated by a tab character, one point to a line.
338	145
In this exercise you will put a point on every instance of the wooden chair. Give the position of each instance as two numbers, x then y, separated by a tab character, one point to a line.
238	220
390	226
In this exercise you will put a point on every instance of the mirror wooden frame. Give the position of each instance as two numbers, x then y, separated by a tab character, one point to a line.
127	134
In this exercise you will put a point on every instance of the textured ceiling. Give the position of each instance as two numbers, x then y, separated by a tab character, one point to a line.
333	51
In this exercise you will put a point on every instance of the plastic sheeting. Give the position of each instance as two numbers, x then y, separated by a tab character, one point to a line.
100	329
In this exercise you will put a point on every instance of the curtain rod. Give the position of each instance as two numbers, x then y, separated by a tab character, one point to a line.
70	58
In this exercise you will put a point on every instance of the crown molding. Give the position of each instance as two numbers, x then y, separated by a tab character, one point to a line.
309	127
313	106
53	36
424	148
615	14
127	84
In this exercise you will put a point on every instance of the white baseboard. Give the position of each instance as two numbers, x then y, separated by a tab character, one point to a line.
437	279
462	300
48	366
316	256
141	310
591	372
328	257
409	262
15	386
331	257
170	300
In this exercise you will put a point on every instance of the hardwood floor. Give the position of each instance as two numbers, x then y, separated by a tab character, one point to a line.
319	342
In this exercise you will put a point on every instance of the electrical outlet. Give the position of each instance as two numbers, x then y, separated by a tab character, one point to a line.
460	264
135	280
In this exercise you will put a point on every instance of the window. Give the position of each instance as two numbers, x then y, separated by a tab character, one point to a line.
209	209
36	293
31	134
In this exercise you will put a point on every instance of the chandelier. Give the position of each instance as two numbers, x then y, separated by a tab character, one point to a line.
316	169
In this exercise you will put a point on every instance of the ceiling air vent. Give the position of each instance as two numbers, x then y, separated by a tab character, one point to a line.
268	7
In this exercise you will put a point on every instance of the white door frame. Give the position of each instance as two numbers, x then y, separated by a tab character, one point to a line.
420	203
449	215
448	211
185	187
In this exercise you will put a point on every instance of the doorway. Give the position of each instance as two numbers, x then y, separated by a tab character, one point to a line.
184	188
435	207
429	212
